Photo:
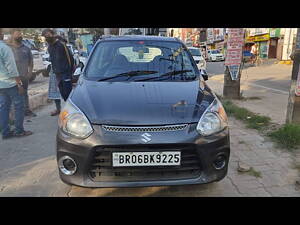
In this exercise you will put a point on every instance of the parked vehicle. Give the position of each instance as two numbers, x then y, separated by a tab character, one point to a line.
189	43
142	115
246	56
198	57
215	55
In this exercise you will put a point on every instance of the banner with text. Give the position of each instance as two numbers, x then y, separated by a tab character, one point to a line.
234	53
234	71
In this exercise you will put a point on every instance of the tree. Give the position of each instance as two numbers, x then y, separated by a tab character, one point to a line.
235	43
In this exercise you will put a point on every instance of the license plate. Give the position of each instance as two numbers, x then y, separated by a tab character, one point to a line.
146	158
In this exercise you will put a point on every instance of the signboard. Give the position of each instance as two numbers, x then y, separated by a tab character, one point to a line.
274	32
264	37
210	36
235	44
234	51
249	39
218	34
234	71
258	31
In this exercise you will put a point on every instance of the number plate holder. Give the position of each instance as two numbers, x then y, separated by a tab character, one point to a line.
127	159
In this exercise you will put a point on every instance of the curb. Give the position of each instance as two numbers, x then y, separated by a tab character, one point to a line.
35	102
38	100
286	62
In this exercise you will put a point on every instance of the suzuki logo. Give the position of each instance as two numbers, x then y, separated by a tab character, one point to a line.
146	137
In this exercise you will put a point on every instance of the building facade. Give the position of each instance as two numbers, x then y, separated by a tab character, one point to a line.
273	43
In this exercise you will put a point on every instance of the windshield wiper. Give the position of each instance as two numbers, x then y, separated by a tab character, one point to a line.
129	74
172	73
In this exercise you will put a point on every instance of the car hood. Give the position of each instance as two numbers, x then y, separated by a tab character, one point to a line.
141	103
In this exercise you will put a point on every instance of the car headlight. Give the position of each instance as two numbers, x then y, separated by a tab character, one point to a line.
213	120
73	122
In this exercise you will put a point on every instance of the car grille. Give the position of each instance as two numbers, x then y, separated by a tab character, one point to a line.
101	169
144	129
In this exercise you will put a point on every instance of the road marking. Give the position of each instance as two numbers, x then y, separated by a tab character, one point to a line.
273	89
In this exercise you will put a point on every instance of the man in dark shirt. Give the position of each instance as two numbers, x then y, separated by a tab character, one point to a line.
24	61
62	62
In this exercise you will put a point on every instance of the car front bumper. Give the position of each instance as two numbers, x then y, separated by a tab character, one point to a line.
84	151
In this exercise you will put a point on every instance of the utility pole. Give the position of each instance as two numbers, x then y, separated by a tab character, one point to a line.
293	108
233	61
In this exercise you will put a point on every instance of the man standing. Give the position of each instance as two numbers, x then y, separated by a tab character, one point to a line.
11	91
253	53
62	62
24	61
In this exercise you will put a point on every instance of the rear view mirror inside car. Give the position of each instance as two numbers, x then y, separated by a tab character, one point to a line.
139	49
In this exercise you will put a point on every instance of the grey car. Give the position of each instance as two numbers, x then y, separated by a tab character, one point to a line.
142	115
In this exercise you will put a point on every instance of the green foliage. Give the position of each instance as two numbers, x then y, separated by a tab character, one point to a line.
252	120
287	136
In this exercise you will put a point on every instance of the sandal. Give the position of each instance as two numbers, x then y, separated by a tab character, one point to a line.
55	113
24	133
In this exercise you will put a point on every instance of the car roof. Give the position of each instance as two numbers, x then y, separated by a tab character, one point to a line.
139	38
193	48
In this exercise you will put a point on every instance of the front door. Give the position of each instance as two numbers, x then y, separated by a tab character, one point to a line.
273	48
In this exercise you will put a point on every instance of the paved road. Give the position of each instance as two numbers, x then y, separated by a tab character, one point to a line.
275	77
28	168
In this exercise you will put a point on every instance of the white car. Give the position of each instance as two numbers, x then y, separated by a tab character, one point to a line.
215	55
199	59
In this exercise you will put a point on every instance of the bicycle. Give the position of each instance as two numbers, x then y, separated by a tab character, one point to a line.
257	61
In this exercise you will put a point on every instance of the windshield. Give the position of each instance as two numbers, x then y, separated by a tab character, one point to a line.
136	60
195	52
215	52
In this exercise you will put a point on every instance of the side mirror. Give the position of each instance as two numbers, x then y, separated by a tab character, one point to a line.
204	74
77	71
205	77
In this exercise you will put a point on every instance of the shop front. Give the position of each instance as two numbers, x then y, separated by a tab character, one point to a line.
262	42
263	49
273	44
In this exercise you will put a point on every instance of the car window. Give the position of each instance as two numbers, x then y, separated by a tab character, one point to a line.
216	52
143	55
111	58
195	52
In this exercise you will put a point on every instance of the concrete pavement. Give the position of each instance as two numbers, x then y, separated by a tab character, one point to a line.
269	82
273	76
28	167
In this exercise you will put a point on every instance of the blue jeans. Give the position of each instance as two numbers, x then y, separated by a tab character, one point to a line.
7	97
